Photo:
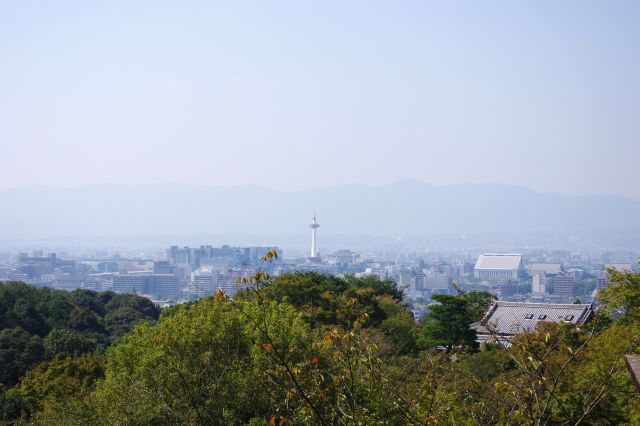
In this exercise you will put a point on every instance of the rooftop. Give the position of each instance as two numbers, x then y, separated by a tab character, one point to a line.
499	261
547	268
509	318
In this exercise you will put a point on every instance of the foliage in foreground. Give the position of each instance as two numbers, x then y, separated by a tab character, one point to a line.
36	324
303	349
51	341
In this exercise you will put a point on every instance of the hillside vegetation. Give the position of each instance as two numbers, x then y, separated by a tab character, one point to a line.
314	349
45	331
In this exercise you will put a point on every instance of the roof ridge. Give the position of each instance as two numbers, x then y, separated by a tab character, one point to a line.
545	305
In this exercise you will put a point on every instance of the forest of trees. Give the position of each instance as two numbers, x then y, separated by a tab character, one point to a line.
53	341
308	349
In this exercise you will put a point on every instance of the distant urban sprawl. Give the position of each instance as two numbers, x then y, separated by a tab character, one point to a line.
189	273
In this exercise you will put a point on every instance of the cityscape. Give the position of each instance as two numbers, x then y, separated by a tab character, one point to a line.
328	213
183	274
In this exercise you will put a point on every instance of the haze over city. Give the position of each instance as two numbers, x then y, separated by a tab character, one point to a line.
319	213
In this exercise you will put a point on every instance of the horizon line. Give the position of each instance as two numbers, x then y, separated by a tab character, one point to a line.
311	188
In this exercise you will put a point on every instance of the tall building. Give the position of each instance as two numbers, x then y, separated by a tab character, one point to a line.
563	285
538	283
203	283
418	280
179	256
405	279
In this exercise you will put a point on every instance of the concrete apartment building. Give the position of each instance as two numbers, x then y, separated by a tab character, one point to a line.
158	286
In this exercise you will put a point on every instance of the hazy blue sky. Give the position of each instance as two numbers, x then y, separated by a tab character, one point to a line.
299	94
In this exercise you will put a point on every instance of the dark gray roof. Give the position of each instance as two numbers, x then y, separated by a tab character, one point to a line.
509	318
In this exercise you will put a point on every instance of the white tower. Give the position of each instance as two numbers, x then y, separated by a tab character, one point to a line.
314	225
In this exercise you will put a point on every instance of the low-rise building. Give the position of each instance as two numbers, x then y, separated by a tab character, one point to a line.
504	320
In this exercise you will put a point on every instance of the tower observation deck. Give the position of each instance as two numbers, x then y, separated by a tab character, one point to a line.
314	249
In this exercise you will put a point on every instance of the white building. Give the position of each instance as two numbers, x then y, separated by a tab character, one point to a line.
498	266
539	282
203	283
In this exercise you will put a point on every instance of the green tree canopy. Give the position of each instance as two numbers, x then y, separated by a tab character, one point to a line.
67	342
205	364
478	302
19	351
52	383
621	297
70	323
329	300
302	349
448	323
11	407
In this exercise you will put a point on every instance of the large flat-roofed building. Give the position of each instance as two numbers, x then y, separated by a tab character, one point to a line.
164	287
437	282
504	320
158	286
498	266
129	283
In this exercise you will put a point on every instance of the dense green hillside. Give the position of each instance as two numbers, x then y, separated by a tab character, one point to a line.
45	325
312	349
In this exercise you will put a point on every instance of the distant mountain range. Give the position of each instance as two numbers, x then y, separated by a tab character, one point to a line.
402	209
